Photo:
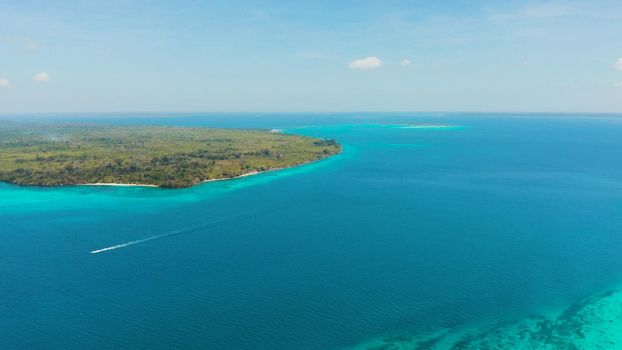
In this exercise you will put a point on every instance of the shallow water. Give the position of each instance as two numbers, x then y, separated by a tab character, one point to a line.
412	237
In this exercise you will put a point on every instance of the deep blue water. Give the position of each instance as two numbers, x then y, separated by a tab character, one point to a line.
409	230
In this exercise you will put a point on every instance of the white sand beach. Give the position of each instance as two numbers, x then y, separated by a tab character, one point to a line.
117	185
236	177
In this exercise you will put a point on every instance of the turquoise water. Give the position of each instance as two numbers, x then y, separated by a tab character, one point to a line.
409	232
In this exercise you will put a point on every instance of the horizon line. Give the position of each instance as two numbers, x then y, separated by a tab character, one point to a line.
191	113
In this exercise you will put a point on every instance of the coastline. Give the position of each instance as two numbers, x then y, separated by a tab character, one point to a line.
112	184
254	172
117	184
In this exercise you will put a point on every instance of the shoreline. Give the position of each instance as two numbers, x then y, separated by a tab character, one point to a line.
117	184
254	172
112	184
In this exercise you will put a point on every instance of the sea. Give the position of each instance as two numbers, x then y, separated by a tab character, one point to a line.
429	231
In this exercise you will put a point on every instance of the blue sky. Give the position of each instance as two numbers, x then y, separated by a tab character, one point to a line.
318	56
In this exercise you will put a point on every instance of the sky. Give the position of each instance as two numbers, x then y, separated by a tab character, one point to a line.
310	56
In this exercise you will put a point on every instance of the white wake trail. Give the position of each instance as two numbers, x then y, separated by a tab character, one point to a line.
127	244
172	233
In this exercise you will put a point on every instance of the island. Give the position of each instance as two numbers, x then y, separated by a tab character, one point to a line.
170	157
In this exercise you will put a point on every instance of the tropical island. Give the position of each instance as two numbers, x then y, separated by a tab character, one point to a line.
170	157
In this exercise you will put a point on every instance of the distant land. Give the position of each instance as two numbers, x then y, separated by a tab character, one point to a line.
170	157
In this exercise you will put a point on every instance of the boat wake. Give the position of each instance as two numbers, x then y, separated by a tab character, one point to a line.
169	234
138	241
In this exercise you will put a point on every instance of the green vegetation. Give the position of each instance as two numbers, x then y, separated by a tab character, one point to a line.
51	155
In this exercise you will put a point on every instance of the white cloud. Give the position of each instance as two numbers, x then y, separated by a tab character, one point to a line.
5	83
618	64
405	62
618	84
542	10
366	63
31	44
42	77
26	42
315	55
